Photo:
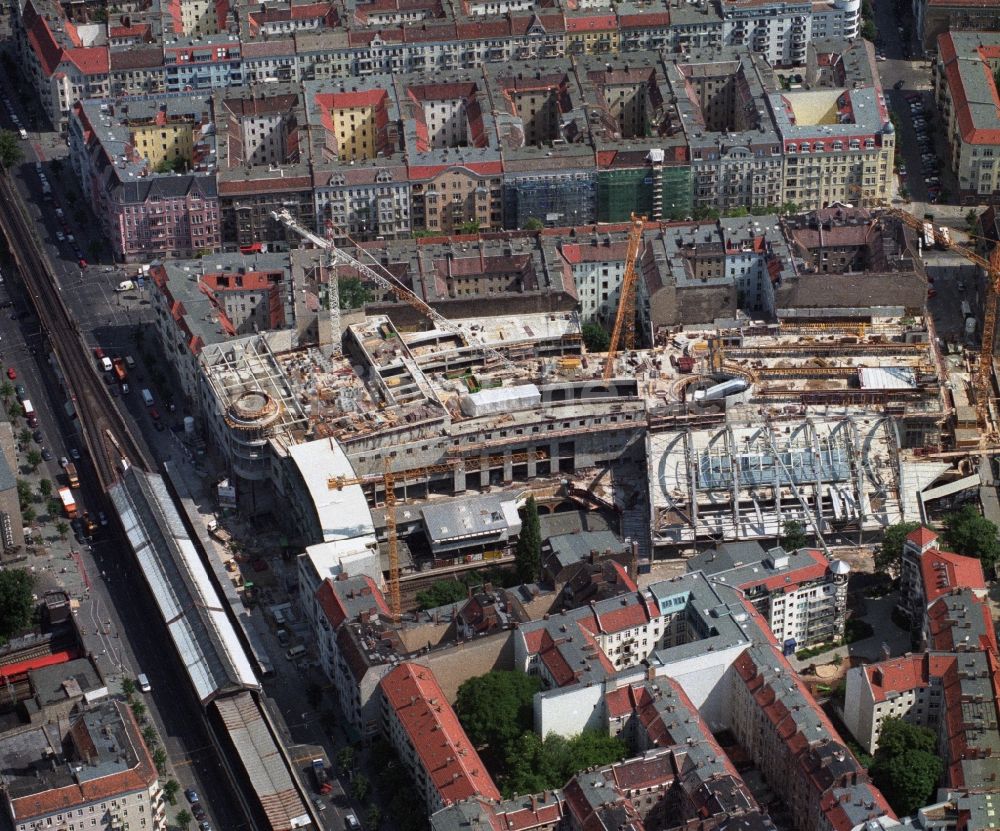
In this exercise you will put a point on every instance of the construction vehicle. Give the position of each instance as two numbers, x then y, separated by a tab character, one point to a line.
624	328
384	278
389	479
69	503
319	774
984	370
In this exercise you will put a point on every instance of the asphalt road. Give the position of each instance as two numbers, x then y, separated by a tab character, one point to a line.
112	318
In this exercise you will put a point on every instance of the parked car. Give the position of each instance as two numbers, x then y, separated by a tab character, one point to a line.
46	454
191	794
11	373
74	454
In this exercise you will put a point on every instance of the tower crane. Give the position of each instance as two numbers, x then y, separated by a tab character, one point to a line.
624	328
388	479
982	381
381	276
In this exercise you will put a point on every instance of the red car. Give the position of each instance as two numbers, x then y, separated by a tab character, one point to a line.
932	293
11	373
154	414
98	352
82	263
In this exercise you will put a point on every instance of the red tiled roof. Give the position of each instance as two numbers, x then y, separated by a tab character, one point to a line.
644	21
942	571
960	96
90	60
922	537
898	675
591	23
448	759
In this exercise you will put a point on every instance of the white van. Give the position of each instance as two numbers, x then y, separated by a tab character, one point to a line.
143	683
295	652
106	364
125	285
147	397
22	133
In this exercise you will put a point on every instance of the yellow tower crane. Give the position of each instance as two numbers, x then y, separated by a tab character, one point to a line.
624	329
389	478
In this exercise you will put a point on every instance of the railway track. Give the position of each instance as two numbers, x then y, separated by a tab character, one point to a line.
105	432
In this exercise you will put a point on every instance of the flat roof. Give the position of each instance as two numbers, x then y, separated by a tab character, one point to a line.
343	513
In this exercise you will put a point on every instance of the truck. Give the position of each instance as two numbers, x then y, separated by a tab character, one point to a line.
118	365
69	504
218	532
29	413
319	774
71	475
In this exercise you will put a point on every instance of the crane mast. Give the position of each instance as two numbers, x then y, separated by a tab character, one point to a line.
390	283
624	328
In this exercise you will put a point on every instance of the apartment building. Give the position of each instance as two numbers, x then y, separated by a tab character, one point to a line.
90	771
927	574
964	88
838	141
933	18
147	169
423	728
801	594
781	31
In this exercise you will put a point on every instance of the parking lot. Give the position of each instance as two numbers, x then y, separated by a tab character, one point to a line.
918	152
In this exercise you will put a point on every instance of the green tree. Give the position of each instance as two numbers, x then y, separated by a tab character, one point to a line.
528	554
345	759
24	436
170	789
23	493
53	507
869	31
595	337
969	533
160	760
533	764
471	227
149	735
138	709
34	459
972	221
183	818
128	687
737	212
6	390
28	515
906	767
442	593
793	536
16	602
10	149
373	817
360	786
889	554
533	224
352	292
62	529
497	707
45	487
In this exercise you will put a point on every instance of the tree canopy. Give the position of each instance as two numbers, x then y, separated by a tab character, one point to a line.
793	536
534	764
441	593
497	707
969	533
906	767
10	149
533	224
16	602
890	554
595	337
528	554
352	292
